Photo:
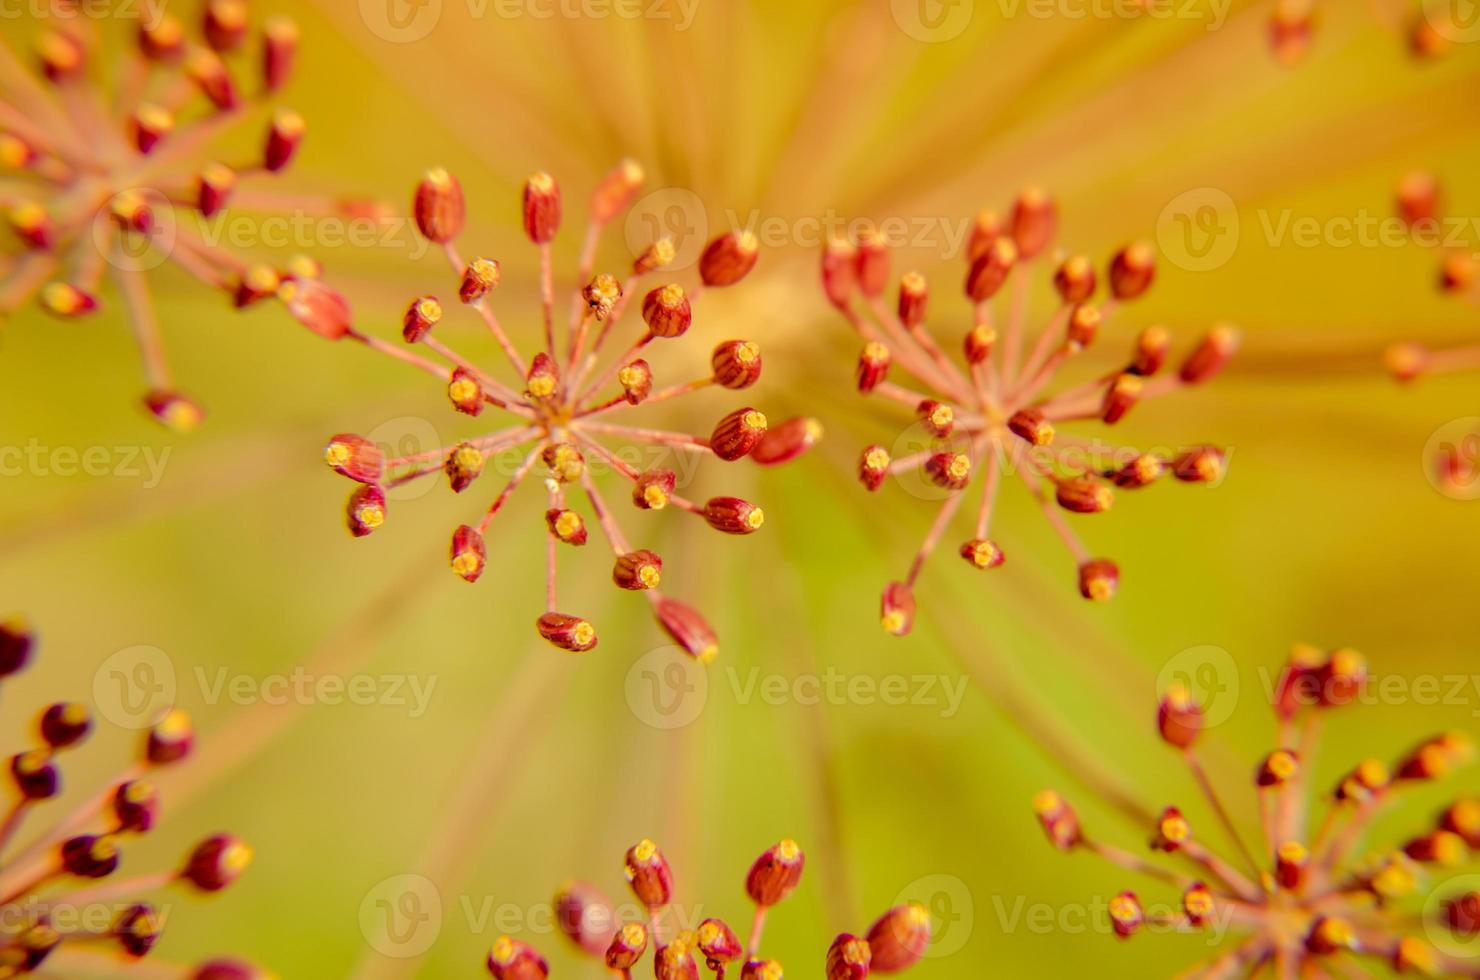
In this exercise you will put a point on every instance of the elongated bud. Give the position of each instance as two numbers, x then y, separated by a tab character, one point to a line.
542	382
162	40
848	958
636	379
737	434
469	554
627	946
216	862
949	471
914	299
729	258
1083	327
283	139
65	300
718	942
1059	820
666	311
775	874
899	938
323	310
982	553
1099	578
279	52
873	466
658	255
648	873
978	344
1179	718
1126	915
688	629
1277	769
90	856
733	515
1330	935
1075	279
1084	495
356	457
150	124
542	208
1204	464
839	271
465	391
1034	220
989	271
939	418
787	441
615	192
567	632
421	316
175	411
897	609
32	225
873	263
585	916
652	490
675	962
225	24
873	366
736	364
1120	397
210	74
1150	354
479	279
1418	197
439	207
1439	847
213	187
463	465
1142	471
638	570
510	959
170	739
1132	270
1029	425
1210	356
135	806
1436	758
365	511
16	643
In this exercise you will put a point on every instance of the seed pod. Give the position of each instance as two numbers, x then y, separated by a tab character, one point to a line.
1142	471
175	411
675	962
1126	915
615	192
1098	579
989	272
900	938
479	279
939	418
65	300
719	944
688	629
567	632
601	295
1179	718
283	139
1204	464
1029	425
873	466
279	52
914	299
729	258
1084	495
839	271
225	24
775	874
567	525
1418	197
1034	219
584	915
736	364
978	344
848	958
90	856
737	434
35	775
465	391
986	228
648	873
542	382
64	724
317	307
469	553
170	739
1172	831
982	553
209	73
1210	356
150	124
666	311
135	806
463	465
421	316
510	959
216	862
1075	279
213	187
873	263
627	947
439	207
542	208
653	489
1120	397
733	515
873	366
897	609
1132	270
636	379
658	255
1083	327
355	457
1059	820
638	570
16	643
949	471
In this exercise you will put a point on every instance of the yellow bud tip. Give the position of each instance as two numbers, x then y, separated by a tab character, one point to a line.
708	654
503	950
466	563
542	386
788	850
649	576
438	176
892	621
645	851
1046	802
584	633
756	517
656	497
755	420
371	516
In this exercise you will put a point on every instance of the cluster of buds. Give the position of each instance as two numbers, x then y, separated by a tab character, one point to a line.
1309	897
1293	23
682	950
988	411
110	177
1419	206
559	411
51	926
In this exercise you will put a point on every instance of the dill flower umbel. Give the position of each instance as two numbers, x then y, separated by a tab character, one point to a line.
560	414
112	174
56	907
681	949
1311	900
990	412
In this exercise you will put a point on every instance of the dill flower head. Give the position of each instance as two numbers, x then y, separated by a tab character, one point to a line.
108	171
55	903
561	413
680	948
1310	898
992	410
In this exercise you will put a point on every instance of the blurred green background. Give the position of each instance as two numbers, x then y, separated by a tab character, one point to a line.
530	767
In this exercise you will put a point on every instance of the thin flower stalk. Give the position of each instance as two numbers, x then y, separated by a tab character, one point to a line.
1419	205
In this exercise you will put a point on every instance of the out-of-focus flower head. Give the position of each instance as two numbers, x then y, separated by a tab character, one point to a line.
561	411
53	896
1309	899
897	940
990	411
111	171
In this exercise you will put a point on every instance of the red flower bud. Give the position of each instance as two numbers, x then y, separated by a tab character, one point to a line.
469	554
542	208
479	279
938	417
16	643
35	775
986	228
627	946
652	490
1132	270
64	724
839	271
567	525
439	207
150	124
638	570
897	609
216	862
848	958
873	467
914	299
90	856
213	188
209	73
775	873
1210	356
728	259
135	806
1418	197
225	24
137	929
279	51
465	391
982	553
900	937
737	434
719	944
1098	579
785	442
585	917
615	192
565	462
1084	495
567	632
1142	471
648	873
365	511
1277	769
1179	718
688	629
1083	327
1172	831
1059	820
666	311
675	962
463	465
949	471
170	739
1120	397
989	271
355	457
1197	903
283	139
872	263
1075	279
317	307
543	380
733	515
978	343
1029	425
736	364
873	366
65	300
636	379
510	959
1126	915
1204	464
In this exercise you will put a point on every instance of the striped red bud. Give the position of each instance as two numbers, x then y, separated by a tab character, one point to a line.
636	379
585	917
321	309
899	938
982	553
1210	356
463	465
216	862
1099	578
510	959
1126	915
1120	397
365	511
627	947
150	124
1034	220
638	570
949	471
480	278
736	364
729	258
839	271
775	874
914	299
356	457
65	300
719	944
567	525
542	382
1075	279
465	391
567	632
873	366
733	515
873	466
1029	425
284	137
873	263
421	316
175	411
615	192
666	311
848	958
438	206
1150	354
1172	831
210	74
737	434
785	442
939	418
1205	464
978	344
542	208
1084	495
1059	820
688	629
648	873
1132	270
469	554
989	271
652	490
279	52
1179	718
213	188
897	609
675	962
170	739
